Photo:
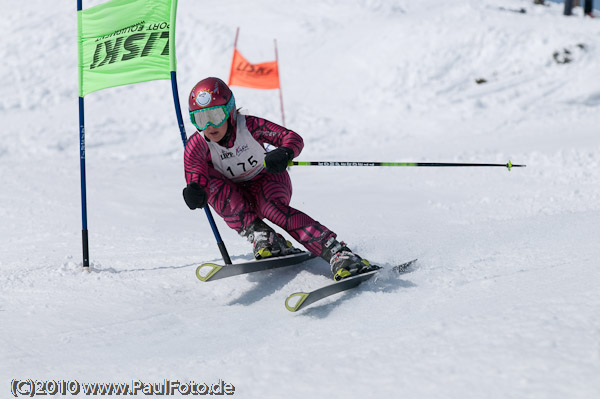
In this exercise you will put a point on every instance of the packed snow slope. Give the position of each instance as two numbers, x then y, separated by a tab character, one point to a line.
504	300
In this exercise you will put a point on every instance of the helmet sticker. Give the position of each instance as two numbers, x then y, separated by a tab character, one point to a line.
203	98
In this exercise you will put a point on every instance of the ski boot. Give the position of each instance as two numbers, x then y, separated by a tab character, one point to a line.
266	242
344	263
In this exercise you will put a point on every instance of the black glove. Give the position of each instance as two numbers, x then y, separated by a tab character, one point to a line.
195	196
277	160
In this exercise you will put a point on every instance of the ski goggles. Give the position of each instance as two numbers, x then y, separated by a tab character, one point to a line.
212	116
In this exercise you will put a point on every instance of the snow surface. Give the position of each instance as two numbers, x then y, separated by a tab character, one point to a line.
504	302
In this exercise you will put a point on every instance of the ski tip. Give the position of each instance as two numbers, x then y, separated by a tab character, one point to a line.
301	298
211	270
404	267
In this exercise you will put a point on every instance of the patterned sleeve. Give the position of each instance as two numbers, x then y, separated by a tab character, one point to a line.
196	159
268	132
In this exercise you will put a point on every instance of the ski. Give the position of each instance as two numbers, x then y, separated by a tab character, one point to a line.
304	299
213	271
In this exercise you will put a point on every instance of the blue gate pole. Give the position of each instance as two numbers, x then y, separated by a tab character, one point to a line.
209	215
84	231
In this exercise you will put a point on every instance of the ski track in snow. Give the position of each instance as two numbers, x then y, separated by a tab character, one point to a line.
504	300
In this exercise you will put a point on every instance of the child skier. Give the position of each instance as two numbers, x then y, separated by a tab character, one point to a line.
226	166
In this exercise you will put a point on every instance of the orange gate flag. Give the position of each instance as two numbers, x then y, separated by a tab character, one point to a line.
257	76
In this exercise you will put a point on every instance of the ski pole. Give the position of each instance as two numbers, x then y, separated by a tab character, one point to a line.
508	165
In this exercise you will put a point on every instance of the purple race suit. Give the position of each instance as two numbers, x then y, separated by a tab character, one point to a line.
238	187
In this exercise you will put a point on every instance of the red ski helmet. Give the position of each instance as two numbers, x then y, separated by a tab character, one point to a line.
211	102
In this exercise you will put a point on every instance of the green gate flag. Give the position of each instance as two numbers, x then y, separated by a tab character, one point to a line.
125	41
